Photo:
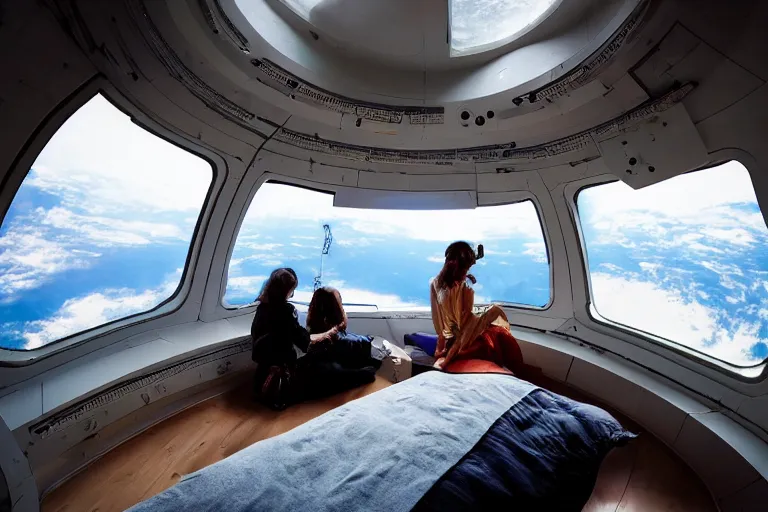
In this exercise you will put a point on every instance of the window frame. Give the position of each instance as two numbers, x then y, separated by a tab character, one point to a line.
326	188
14	178
643	339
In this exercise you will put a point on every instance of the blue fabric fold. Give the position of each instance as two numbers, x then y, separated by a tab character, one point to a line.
436	441
542	454
379	453
426	342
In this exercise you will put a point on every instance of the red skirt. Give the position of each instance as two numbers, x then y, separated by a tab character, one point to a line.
493	350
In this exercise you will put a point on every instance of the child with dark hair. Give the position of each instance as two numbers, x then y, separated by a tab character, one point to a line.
289	370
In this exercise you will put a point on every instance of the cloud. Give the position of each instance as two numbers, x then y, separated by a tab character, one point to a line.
276	201
644	305
536	250
736	236
92	310
112	184
351	295
696	239
436	259
265	260
477	23
360	242
103	231
242	286
250	287
28	259
260	247
102	163
713	206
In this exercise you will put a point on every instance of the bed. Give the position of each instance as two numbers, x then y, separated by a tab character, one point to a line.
436	441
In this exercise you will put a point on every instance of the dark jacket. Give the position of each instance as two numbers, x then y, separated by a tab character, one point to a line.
275	330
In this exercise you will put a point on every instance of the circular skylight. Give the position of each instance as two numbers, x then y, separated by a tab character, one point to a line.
481	25
302	7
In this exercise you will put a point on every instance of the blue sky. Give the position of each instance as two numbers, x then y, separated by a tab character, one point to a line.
684	259
101	227
385	257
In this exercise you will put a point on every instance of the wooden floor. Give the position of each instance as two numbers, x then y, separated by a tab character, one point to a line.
642	476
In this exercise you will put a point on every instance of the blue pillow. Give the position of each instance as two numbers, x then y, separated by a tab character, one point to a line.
426	342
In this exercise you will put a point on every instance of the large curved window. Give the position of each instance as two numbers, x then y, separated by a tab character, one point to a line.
685	259
481	25
384	258
99	229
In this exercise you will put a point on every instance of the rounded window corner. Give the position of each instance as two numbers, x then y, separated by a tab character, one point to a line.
298	245
92	236
706	272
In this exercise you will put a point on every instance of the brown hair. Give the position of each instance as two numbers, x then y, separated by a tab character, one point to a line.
325	310
276	288
459	258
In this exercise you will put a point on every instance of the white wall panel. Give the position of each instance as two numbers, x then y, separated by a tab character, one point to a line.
723	470
22	405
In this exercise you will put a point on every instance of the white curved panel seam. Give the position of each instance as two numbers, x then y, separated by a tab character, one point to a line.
240	201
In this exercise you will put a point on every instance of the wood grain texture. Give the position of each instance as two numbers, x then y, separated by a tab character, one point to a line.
641	476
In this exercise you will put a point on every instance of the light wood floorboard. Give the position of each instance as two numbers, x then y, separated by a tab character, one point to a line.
642	476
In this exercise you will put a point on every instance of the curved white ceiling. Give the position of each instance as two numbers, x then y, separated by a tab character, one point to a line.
400	28
401	51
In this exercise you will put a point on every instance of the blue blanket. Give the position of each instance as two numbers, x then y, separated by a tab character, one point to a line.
402	446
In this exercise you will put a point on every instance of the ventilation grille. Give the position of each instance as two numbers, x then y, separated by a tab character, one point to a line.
68	416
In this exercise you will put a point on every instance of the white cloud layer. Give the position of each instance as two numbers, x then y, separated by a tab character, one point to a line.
646	306
250	286
279	203
117	185
692	208
28	259
682	233
101	156
245	286
536	250
92	310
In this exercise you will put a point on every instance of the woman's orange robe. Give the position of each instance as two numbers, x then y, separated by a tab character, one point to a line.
484	336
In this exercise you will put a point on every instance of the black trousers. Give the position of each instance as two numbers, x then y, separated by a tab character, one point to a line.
310	378
318	378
